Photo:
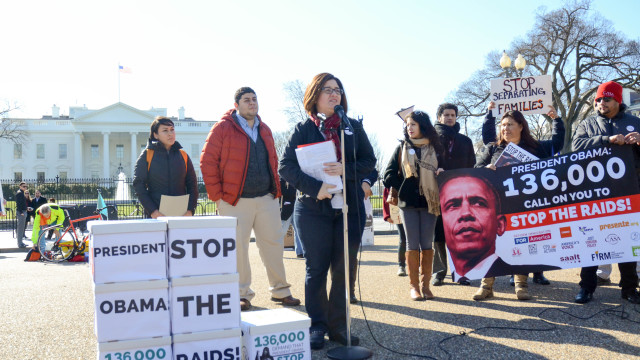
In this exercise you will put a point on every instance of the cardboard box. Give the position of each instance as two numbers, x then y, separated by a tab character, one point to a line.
203	303
132	310
219	344
280	333
201	245
133	250
154	348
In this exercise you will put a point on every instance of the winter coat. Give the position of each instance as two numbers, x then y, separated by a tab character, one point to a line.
458	148
491	152
408	188
308	133
167	175
225	158
595	131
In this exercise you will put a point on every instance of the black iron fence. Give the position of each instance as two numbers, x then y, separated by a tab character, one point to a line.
79	197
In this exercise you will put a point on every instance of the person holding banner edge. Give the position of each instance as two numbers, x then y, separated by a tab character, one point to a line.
458	153
611	125
551	147
412	170
318	221
515	129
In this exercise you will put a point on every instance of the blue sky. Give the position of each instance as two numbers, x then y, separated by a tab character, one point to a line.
197	53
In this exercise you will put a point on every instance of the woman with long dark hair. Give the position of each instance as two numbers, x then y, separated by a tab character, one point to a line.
318	214
412	171
515	129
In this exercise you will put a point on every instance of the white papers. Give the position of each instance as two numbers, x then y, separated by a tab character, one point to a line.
174	205
514	154
311	157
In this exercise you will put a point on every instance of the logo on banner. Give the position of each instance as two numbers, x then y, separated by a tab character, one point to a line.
516	252
541	237
573	259
612	239
591	242
618	225
635	236
585	229
521	240
533	249
569	244
607	255
635	250
565	232
549	249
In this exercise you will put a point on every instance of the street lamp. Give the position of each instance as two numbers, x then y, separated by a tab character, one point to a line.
505	64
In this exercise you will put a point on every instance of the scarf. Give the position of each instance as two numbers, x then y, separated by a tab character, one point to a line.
329	129
424	169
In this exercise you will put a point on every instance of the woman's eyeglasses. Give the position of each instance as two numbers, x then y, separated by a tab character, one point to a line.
329	91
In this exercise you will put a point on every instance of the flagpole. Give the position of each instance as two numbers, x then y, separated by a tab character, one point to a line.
118	82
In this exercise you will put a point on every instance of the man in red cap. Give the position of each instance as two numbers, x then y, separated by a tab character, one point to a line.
611	125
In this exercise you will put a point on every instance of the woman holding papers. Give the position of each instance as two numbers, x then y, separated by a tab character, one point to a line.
412	171
515	129
317	214
163	168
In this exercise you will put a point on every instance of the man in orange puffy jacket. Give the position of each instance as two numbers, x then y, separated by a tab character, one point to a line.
240	171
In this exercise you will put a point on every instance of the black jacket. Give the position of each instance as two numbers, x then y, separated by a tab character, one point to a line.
458	148
166	176
287	200
491	152
408	189
21	201
596	130
307	133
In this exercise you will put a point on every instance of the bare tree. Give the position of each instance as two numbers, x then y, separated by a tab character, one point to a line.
10	129
573	44
294	91
280	139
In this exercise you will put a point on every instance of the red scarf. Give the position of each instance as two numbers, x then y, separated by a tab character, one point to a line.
330	132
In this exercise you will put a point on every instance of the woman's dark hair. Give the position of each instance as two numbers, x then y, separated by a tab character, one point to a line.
315	88
525	135
155	125
426	129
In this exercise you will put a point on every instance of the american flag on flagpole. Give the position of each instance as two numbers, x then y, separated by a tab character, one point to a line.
124	69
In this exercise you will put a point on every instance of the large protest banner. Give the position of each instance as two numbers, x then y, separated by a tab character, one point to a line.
574	210
529	95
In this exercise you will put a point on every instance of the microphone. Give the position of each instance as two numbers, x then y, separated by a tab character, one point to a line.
338	109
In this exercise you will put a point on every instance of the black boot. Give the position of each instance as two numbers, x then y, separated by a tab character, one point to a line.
538	278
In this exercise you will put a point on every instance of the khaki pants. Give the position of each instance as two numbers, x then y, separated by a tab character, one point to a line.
262	214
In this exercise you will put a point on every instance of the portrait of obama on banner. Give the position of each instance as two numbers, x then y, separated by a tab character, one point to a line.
473	221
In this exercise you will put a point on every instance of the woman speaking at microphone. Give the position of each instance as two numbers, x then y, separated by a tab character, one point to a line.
318	214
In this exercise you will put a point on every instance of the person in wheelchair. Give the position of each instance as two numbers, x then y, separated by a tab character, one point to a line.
46	215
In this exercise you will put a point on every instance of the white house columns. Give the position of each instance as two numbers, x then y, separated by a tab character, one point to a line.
77	154
134	151
105	154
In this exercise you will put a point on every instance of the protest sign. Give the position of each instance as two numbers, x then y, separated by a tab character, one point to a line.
574	210
529	95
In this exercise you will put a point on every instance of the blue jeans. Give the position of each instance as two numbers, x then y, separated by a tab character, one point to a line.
321	231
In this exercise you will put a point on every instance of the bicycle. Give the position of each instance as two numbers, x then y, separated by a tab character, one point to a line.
66	244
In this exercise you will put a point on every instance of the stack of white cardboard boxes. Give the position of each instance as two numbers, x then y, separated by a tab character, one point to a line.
173	281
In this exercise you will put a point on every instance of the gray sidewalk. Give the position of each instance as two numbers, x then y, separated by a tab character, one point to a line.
47	311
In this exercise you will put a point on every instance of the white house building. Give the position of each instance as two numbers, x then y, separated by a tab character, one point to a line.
92	143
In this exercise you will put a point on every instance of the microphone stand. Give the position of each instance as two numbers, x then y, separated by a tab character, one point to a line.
347	352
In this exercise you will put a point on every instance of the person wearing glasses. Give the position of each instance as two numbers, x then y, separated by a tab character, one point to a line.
318	213
21	213
611	125
412	170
